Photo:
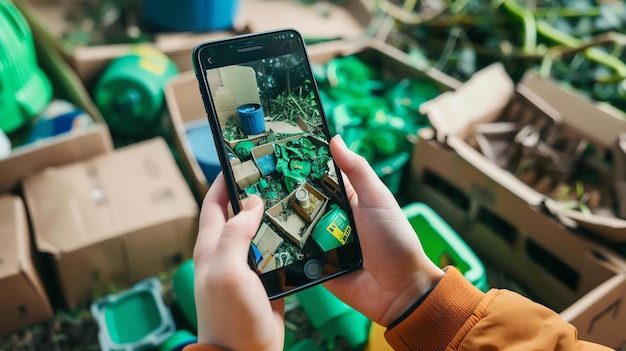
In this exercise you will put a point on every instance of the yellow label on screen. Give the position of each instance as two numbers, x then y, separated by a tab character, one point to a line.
340	235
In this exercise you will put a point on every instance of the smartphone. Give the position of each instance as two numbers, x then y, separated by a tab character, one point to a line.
272	140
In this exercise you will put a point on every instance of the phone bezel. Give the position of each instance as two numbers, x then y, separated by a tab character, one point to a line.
227	53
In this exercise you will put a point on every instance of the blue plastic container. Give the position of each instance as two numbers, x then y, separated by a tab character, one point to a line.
203	147
190	15
251	118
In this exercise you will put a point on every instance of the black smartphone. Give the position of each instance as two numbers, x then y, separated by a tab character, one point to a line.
272	139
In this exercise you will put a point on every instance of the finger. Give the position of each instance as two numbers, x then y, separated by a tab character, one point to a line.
217	196
363	178
213	217
240	229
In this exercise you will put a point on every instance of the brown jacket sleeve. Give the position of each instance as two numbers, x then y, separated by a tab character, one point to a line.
457	316
198	347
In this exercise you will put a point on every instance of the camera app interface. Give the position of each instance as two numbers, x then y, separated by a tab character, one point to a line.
273	133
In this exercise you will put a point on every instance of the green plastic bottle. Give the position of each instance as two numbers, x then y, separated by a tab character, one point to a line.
130	91
24	88
333	318
182	282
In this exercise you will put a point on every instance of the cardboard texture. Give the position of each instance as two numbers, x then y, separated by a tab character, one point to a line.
70	147
567	272
267	241
89	62
293	225
112	219
490	94
246	174
320	20
24	300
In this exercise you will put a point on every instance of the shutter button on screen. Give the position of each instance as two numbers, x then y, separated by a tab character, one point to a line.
313	269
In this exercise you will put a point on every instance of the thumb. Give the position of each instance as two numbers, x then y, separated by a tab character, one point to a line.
361	175
240	229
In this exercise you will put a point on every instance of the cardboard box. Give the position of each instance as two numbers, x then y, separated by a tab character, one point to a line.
567	272
112	219
77	145
322	202
246	174
318	20
49	17
24	300
292	224
489	96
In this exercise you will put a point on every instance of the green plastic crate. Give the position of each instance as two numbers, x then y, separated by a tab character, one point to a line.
443	245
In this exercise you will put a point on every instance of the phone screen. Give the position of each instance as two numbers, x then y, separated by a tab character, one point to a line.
265	113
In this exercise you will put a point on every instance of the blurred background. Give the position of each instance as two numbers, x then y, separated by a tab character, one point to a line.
498	125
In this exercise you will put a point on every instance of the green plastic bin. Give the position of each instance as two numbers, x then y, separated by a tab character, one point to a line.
134	319
443	245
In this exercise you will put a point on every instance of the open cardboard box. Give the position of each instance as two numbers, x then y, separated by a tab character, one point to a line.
76	145
489	94
24	300
567	272
48	16
294	226
321	203
112	219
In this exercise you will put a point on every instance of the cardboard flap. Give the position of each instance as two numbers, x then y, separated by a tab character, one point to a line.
600	123
611	228
597	312
13	228
481	99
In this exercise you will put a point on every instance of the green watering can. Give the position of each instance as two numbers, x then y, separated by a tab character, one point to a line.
24	89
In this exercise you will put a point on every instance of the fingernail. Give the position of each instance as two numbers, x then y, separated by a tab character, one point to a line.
340	139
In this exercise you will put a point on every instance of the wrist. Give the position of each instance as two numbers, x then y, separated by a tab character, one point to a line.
423	282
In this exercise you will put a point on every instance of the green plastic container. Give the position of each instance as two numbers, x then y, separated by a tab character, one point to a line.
332	230
333	318
130	92
24	89
135	319
443	245
178	341
182	282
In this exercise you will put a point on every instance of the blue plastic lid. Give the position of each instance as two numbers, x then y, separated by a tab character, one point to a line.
201	142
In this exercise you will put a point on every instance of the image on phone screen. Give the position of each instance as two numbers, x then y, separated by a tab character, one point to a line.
274	135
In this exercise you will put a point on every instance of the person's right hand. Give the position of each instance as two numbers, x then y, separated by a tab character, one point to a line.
396	272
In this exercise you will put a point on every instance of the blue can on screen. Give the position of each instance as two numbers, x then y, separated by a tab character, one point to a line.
203	147
251	118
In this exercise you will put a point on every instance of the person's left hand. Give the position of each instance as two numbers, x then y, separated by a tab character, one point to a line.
233	308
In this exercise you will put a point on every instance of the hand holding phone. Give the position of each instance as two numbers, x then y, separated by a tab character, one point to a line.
272	139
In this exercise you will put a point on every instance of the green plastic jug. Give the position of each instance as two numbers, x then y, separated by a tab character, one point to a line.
24	88
333	318
130	92
182	283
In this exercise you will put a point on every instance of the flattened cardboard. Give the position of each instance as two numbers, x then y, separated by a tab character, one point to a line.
567	272
112	219
24	300
494	89
320	20
74	146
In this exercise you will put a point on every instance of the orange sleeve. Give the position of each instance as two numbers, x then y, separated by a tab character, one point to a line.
198	347
457	316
